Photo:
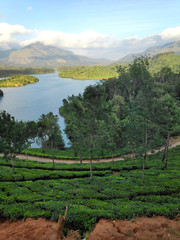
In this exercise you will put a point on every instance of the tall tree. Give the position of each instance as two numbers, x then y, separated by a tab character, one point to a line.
12	139
49	132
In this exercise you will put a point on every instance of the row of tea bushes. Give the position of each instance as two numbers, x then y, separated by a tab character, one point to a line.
122	195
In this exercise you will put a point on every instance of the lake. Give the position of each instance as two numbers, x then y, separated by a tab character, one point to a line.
30	101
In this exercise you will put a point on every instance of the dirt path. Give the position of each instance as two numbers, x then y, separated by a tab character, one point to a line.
42	159
174	141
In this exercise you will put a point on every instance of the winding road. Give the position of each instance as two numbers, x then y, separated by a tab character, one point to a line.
174	141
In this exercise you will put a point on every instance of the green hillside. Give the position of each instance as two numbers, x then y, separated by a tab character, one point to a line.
6	71
18	80
165	60
104	72
86	72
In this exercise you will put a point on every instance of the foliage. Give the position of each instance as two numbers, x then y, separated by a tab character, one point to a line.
86	72
133	112
156	63
49	131
18	80
170	60
6	71
1	93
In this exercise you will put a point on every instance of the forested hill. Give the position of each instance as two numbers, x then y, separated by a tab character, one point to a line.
18	80
170	60
87	72
6	71
104	72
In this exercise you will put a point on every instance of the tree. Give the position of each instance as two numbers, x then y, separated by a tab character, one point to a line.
49	132
141	132
12	139
83	115
134	77
73	112
1	93
30	134
168	115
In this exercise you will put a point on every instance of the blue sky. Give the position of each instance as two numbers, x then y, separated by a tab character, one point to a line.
95	28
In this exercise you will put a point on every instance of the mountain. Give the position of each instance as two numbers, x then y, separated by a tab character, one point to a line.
169	47
39	55
168	59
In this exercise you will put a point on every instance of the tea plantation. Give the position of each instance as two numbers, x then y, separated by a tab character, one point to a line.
116	191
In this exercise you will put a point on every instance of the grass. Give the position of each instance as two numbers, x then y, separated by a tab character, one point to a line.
39	191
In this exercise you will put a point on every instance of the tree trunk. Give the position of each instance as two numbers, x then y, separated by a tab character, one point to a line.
42	145
60	226
113	156
145	155
75	151
143	167
80	157
91	149
165	155
52	150
27	162
12	163
91	175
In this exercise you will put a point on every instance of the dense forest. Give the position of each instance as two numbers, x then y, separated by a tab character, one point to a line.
6	71
18	80
134	112
104	72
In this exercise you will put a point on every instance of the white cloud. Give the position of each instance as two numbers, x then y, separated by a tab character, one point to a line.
65	40
29	8
9	33
88	43
171	34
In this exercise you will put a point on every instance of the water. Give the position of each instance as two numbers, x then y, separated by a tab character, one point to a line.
30	101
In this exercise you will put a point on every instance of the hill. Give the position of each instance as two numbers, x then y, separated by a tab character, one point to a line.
170	60
39	55
104	72
18	80
88	72
169	47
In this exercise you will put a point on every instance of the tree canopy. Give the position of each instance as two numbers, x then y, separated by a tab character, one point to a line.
134	112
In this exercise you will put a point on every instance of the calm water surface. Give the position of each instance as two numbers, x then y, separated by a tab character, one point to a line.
30	101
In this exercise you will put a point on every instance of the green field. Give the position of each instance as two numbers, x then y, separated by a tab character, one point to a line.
39	191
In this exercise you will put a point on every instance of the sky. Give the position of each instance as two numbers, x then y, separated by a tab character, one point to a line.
94	28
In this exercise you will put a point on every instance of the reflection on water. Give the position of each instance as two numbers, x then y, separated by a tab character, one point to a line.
30	101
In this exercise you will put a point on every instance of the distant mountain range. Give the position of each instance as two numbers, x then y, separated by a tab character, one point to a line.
39	55
169	47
